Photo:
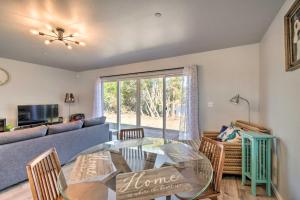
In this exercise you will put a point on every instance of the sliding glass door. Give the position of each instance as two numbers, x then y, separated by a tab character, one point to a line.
173	102
128	104
153	102
110	103
151	105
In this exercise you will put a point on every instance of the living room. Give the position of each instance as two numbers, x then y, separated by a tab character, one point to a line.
135	63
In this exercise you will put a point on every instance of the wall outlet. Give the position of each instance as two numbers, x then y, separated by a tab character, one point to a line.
210	104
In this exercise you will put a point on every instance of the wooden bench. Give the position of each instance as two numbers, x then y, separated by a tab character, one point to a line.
233	151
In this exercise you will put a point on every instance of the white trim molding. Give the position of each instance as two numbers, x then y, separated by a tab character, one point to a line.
277	194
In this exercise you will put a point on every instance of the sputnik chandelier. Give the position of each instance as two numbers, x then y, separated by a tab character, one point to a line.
57	34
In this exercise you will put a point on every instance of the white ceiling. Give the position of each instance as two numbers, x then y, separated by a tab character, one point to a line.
126	31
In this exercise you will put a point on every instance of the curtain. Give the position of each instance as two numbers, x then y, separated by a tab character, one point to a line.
97	109
189	121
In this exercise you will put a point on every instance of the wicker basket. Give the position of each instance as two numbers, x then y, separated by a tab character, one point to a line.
233	151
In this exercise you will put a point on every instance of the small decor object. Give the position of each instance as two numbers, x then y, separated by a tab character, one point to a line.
60	119
2	125
4	76
58	34
256	160
236	100
77	116
292	37
69	99
9	127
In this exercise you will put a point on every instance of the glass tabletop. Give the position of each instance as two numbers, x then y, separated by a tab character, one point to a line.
106	170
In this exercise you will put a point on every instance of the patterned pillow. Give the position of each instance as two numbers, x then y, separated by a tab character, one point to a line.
235	136
231	134
223	133
223	128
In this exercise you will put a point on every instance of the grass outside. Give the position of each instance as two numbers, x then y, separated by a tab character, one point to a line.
147	121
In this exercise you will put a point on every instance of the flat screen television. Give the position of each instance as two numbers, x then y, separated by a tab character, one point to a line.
35	114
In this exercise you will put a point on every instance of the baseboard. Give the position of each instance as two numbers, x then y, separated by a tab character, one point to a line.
278	196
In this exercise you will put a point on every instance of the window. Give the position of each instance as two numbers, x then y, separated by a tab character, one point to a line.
150	101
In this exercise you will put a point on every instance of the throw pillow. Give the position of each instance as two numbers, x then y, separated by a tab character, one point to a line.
223	128
64	127
222	136
235	136
23	134
231	134
94	121
222	133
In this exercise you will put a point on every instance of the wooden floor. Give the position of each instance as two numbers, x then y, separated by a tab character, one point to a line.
231	190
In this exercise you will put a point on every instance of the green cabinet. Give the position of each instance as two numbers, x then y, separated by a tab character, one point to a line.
256	160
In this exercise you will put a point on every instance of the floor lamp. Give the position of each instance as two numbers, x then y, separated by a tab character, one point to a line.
69	99
236	100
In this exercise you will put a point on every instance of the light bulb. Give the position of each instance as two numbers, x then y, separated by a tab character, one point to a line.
49	27
82	43
34	32
47	42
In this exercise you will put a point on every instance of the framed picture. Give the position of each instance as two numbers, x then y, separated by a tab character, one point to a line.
292	37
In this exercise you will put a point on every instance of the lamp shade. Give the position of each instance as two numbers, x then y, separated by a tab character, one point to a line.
69	98
235	99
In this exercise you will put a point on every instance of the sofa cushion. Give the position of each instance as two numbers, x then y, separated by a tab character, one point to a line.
64	127
24	134
94	121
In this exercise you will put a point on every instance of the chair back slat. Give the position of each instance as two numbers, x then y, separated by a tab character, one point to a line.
134	133
42	175
214	151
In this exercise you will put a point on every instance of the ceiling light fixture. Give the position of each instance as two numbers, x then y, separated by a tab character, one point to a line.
58	35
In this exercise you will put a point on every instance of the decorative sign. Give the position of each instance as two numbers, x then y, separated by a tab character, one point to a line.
92	167
149	184
180	152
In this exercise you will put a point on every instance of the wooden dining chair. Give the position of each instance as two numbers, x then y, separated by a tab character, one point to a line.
134	133
42	175
214	151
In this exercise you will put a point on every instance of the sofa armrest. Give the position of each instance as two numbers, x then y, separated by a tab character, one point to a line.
211	134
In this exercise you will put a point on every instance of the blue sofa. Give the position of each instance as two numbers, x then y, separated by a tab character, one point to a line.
15	156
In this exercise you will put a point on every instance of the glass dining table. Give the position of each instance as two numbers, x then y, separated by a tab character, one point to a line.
145	168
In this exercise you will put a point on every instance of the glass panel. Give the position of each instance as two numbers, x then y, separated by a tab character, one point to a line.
173	103
128	103
110	93
152	106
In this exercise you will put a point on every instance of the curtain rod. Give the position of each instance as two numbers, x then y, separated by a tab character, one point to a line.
136	73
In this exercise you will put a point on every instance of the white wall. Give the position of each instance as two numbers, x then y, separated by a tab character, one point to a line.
280	106
33	84
223	73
